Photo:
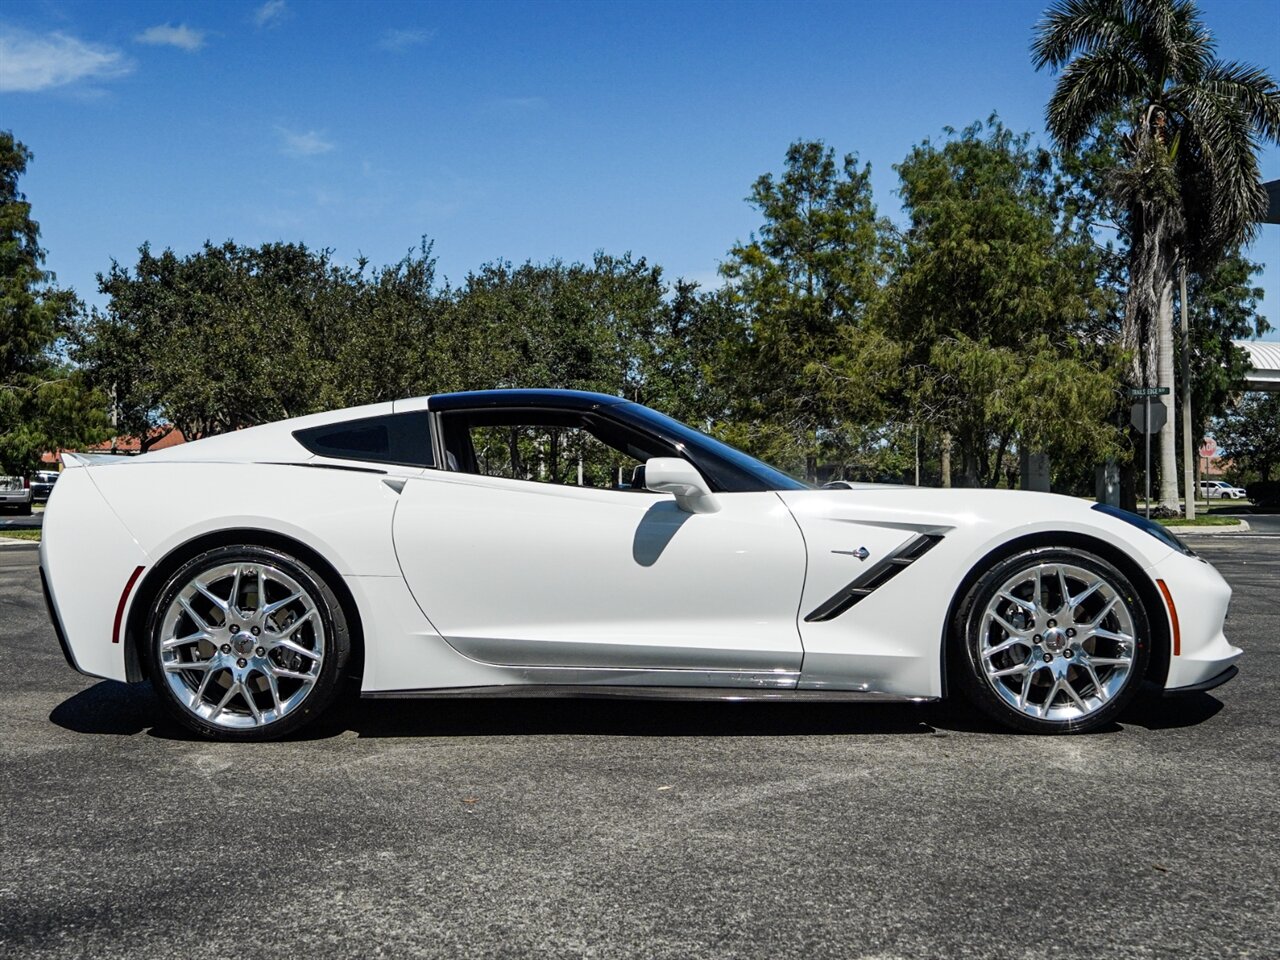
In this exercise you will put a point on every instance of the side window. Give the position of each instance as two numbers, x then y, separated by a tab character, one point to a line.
400	438
569	455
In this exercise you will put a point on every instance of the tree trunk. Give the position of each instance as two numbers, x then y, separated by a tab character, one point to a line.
1189	447
946	459
1169	500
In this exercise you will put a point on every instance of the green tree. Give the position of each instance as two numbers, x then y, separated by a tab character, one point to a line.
1248	435
225	338
804	283
44	404
1223	306
992	286
1191	125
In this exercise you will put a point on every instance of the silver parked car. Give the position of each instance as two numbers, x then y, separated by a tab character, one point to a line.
15	492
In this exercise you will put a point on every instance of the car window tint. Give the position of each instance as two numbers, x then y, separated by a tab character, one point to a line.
402	438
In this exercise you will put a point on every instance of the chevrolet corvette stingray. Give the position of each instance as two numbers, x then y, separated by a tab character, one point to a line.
559	543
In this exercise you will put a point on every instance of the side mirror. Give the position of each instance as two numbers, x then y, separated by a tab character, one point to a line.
682	479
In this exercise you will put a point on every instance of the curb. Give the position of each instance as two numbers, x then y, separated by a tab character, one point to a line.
1242	527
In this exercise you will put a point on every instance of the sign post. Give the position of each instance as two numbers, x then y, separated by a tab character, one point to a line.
1148	421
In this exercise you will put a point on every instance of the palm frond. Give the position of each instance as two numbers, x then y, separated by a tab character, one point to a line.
1252	89
1223	158
1090	88
1070	27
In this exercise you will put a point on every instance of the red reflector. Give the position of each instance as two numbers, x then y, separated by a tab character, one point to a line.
124	598
1173	617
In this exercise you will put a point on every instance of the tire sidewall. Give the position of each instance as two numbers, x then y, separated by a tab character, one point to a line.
329	609
972	677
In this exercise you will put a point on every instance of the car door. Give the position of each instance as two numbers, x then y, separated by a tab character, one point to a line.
527	573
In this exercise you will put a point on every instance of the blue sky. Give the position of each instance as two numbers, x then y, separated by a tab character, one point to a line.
500	130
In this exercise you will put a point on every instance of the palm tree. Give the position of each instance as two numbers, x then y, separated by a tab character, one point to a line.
1192	125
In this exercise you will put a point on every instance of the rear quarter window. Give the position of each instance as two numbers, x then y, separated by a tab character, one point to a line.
399	438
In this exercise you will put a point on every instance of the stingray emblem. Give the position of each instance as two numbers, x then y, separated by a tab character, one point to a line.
861	553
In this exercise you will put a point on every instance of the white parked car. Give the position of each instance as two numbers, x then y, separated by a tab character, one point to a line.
15	494
1220	489
525	543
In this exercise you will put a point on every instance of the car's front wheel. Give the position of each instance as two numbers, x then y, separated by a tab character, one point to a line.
247	643
1056	640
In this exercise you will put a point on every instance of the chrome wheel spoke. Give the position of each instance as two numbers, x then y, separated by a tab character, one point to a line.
282	673
226	698
1085	594
1007	627
247	695
198	620
1023	701
272	608
286	644
1010	671
1065	606
274	684
1113	635
234	602
1070	691
1025	605
1002	646
1099	689
176	666
212	597
1109	661
176	642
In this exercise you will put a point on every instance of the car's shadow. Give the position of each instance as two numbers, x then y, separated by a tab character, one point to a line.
120	709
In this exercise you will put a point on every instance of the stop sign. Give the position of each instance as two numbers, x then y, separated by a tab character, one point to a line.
1208	448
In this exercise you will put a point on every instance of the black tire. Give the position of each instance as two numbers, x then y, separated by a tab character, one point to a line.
25	509
337	647
971	676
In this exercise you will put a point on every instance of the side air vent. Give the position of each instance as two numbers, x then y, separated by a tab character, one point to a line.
873	579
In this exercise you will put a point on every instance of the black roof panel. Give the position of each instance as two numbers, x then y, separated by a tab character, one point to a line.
558	399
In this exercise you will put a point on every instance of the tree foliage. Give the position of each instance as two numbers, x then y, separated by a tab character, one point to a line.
990	287
1248	435
804	282
43	402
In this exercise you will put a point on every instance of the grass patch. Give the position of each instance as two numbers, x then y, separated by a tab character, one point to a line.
1202	522
19	534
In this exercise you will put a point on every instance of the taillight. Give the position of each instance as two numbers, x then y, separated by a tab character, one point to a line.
26	483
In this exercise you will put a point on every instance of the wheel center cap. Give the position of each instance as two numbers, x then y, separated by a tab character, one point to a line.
242	643
1055	639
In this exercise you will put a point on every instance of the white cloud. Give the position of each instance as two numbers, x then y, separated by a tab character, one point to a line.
298	144
167	35
270	13
29	63
397	41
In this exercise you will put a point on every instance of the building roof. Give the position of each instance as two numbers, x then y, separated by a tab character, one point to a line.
1265	357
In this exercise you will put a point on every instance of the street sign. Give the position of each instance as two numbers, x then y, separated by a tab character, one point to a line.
1208	448
1152	416
1147	392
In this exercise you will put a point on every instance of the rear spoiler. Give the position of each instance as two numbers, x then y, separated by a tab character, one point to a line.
92	459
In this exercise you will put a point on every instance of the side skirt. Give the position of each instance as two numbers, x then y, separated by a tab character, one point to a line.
532	691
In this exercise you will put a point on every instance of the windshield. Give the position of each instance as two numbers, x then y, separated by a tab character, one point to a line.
706	450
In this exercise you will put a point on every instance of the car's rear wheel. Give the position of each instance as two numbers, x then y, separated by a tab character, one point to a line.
1055	641
247	643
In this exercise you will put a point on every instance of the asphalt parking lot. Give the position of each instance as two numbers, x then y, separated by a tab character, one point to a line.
608	829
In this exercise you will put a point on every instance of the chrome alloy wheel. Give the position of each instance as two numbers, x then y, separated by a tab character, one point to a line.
1057	641
242	645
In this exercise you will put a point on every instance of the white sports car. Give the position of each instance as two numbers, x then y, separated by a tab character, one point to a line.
532	542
